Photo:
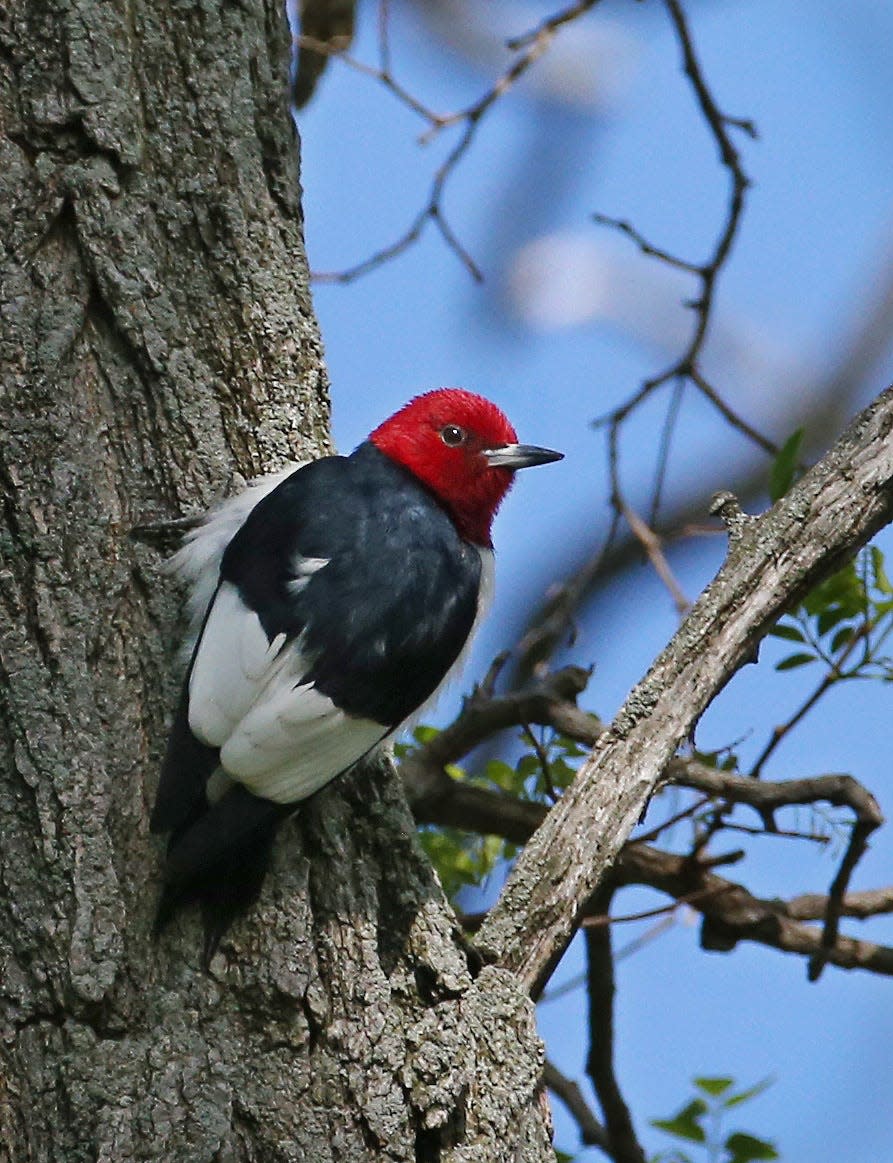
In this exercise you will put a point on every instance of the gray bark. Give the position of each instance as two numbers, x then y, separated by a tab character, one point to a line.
158	341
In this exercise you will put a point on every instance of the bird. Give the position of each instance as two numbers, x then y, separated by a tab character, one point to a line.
331	602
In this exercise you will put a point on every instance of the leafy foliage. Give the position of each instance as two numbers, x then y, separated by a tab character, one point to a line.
852	608
844	622
701	1121
785	468
540	774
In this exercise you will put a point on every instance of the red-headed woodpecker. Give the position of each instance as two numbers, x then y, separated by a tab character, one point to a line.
333	602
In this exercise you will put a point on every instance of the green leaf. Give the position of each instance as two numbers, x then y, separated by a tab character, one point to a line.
794	660
685	1125
461	859
784	467
714	1086
842	638
529	765
790	633
844	589
747	1095
746	1148
829	618
563	1156
424	734
562	773
881	581
570	747
502	774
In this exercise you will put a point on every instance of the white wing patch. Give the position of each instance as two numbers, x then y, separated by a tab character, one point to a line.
197	561
294	742
279	737
232	669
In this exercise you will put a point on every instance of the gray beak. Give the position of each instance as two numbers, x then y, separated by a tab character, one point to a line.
520	456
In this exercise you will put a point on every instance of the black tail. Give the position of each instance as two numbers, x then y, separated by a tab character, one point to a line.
219	858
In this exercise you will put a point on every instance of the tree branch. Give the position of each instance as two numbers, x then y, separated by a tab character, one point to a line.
732	914
772	562
549	702
600	990
840	790
688	881
592	1133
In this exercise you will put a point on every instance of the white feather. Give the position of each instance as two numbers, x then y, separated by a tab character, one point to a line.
303	569
233	667
279	737
197	561
294	742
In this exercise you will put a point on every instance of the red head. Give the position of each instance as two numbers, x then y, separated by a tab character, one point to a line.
463	448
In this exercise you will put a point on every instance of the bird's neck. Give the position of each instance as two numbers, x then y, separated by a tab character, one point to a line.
470	499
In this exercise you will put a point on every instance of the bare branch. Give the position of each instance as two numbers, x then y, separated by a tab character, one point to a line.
646	247
862	905
592	1133
732	914
651	543
551	24
766	797
600	990
840	790
686	368
773	561
689	882
528	47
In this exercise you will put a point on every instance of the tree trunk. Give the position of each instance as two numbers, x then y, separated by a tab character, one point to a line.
158	341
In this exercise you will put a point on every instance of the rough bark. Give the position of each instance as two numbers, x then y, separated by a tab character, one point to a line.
158	341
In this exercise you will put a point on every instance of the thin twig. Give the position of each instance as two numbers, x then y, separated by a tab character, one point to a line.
651	543
528	48
689	898
833	675
686	367
543	760
663	453
592	1133
600	990
551	24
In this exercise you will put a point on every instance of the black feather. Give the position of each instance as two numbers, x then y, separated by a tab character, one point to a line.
188	765
219	859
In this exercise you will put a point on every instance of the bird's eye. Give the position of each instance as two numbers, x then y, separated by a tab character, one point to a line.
452	435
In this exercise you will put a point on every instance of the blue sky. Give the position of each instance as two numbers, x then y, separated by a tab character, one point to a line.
567	323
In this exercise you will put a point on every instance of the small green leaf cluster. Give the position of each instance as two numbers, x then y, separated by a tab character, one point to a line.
462	859
539	775
844	622
465	859
723	759
701	1121
853	608
785	470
